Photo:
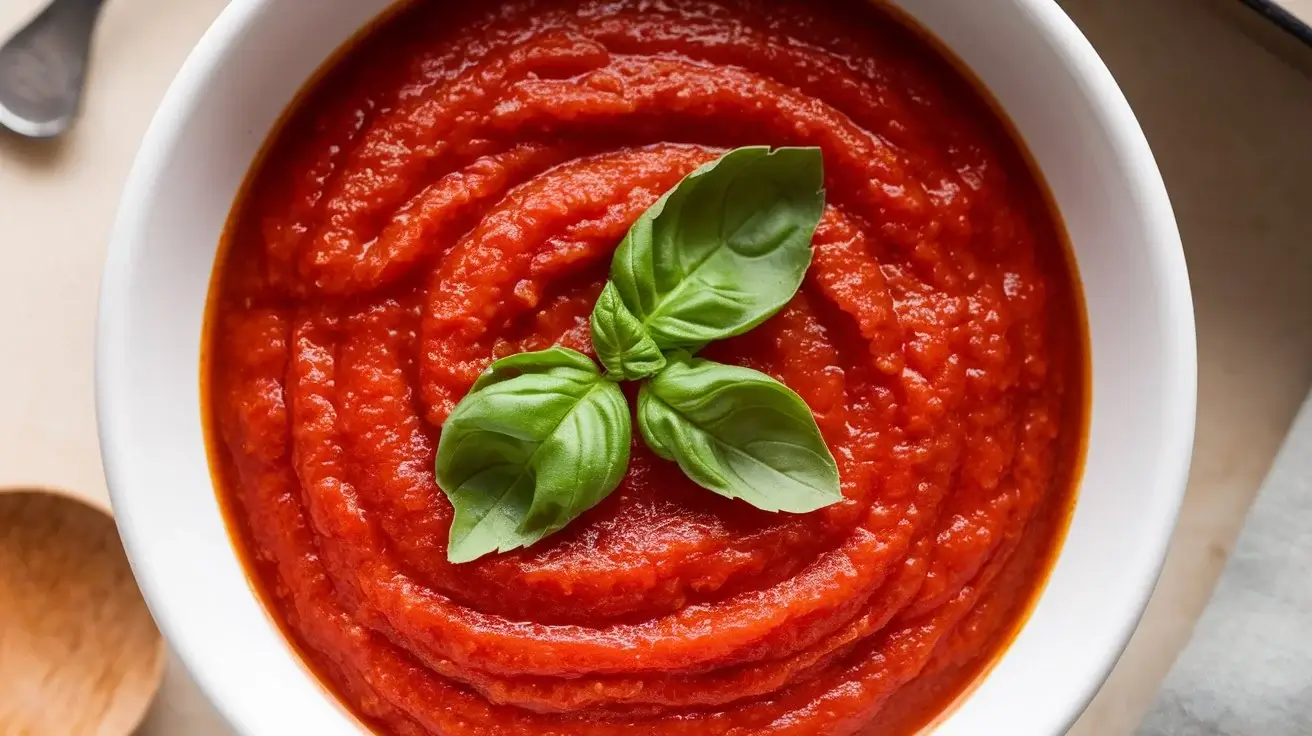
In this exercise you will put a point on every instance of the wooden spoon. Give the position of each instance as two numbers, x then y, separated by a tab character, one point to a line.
79	653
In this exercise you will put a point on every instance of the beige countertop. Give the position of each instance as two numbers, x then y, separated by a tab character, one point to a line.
1228	121
1301	9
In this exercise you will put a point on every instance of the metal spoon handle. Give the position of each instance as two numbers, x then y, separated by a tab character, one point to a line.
43	68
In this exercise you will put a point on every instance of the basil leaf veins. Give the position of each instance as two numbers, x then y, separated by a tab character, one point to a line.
540	439
725	249
739	433
621	342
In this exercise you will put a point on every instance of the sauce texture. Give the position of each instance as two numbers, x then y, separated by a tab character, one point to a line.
451	191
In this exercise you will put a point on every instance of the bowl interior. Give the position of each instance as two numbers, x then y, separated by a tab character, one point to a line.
1030	56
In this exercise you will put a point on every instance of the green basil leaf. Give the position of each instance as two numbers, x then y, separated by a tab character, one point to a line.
556	360
622	345
739	433
725	249
539	440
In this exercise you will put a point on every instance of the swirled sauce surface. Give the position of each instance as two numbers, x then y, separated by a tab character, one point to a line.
451	191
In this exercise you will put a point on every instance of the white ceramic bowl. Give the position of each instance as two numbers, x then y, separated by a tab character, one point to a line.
1071	115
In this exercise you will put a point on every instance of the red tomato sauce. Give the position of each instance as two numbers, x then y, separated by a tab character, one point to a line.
451	191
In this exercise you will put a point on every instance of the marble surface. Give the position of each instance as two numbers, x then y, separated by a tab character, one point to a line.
1228	122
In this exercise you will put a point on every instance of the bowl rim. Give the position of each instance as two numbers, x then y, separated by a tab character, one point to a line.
1179	354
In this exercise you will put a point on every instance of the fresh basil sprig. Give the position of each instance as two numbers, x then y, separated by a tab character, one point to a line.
542	437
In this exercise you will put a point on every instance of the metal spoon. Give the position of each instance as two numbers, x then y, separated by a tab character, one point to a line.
43	67
79	653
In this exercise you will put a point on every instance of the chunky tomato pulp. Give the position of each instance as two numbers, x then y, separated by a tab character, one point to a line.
452	191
